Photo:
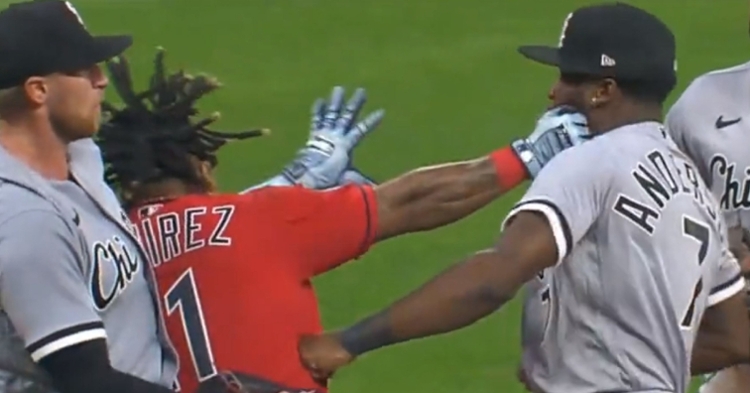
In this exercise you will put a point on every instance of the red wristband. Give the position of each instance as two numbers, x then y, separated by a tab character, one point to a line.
509	168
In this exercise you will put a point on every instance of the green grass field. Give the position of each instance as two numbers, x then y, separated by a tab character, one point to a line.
454	87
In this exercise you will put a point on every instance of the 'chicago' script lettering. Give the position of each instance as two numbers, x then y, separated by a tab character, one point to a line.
735	192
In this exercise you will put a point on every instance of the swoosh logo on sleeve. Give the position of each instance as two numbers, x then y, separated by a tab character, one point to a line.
721	123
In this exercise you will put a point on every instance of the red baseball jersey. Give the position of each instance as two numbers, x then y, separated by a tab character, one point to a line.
234	272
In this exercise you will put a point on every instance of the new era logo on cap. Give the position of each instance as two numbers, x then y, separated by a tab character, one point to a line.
608	61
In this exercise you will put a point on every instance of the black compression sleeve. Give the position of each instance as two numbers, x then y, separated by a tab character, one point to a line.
85	368
369	334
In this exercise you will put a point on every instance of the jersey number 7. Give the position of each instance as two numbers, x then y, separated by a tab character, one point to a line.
700	233
183	297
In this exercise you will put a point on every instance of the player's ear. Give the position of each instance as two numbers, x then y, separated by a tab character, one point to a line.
600	92
36	90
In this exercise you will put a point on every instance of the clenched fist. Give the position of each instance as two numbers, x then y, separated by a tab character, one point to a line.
323	354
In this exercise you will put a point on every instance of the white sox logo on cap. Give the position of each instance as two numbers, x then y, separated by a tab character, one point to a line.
74	12
564	29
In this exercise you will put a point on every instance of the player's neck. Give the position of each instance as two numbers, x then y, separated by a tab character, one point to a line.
625	114
164	190
37	146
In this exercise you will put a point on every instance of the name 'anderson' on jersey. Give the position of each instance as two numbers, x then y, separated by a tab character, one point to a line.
642	252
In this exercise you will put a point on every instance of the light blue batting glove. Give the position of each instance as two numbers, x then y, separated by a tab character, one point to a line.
556	130
353	176
325	161
318	129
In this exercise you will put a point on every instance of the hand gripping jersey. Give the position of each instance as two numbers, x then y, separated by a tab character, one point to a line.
642	252
234	273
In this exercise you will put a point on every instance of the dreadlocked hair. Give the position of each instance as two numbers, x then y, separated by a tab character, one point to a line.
155	135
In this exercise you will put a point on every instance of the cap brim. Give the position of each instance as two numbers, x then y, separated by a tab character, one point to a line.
97	50
107	47
548	55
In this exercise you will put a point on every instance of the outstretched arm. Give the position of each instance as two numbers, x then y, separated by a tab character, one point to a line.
325	161
336	226
464	293
430	197
556	212
456	298
433	196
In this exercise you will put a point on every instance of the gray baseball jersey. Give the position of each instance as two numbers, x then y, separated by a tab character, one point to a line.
72	271
642	252
711	123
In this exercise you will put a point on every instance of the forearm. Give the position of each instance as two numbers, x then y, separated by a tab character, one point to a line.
456	298
723	339
85	368
434	196
711	353
114	381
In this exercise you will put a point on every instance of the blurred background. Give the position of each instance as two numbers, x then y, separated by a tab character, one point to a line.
454	87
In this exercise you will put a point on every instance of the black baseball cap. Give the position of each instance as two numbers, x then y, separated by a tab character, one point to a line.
47	36
614	40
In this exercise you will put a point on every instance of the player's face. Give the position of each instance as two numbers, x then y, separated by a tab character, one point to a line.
569	90
592	96
74	102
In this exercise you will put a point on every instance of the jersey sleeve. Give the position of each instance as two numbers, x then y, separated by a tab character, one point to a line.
685	124
569	193
42	286
324	229
676	125
728	279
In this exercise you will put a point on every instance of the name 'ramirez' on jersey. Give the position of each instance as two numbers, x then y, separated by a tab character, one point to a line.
642	253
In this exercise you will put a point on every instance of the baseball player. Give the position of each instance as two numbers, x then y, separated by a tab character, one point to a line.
73	290
71	275
76	295
710	123
233	270
622	258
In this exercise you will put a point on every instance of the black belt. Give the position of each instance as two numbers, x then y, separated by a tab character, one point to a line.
235	382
